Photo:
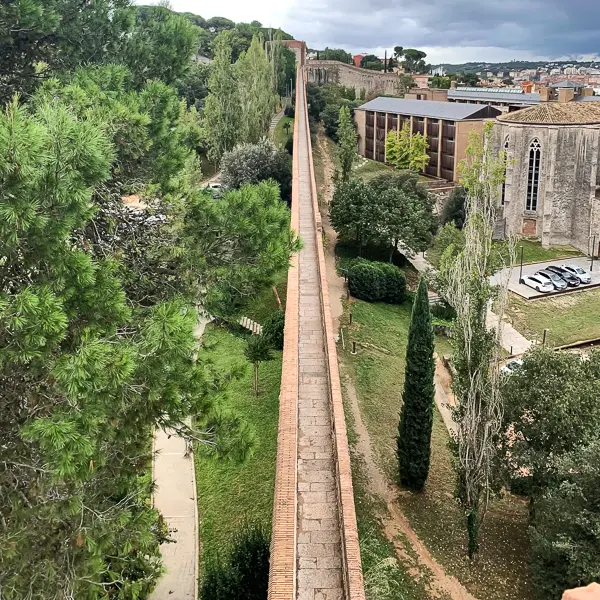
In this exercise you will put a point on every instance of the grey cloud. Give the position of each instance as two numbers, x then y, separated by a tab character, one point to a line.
541	27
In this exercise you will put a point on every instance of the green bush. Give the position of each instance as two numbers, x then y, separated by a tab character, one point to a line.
273	329
376	282
243	573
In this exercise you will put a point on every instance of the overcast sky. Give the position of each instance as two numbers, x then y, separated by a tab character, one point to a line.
448	30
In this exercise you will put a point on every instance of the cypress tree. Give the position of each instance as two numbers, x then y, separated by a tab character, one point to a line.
416	419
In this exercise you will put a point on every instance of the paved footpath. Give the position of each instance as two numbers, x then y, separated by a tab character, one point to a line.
175	498
319	573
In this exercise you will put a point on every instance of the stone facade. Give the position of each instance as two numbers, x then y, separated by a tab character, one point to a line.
364	81
568	197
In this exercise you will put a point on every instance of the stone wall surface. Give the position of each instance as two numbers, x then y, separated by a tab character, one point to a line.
362	80
568	207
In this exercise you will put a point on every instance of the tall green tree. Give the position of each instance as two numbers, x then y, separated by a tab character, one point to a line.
43	37
352	210
454	210
550	409
257	98
405	83
414	61
161	45
566	528
406	151
416	418
347	139
222	115
465	284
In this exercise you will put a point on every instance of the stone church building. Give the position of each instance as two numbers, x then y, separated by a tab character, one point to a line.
552	187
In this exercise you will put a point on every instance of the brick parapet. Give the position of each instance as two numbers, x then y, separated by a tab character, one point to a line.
282	569
351	561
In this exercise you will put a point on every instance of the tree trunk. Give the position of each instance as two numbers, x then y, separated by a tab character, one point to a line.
255	382
473	531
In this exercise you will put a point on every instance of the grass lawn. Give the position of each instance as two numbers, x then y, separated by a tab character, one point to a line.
370	168
259	308
532	253
378	373
228	493
569	318
280	135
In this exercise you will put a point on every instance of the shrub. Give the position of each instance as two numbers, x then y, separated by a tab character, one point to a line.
376	282
290	111
243	573
273	329
253	163
443	311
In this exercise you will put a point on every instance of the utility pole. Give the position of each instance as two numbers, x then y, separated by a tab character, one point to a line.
521	271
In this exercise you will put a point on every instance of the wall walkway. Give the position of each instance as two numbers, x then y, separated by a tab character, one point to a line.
315	553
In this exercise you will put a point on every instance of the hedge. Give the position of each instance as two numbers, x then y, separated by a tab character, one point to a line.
376	282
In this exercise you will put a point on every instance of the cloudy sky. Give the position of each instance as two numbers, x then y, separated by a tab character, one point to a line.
448	30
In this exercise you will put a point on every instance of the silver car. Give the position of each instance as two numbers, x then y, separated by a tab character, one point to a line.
538	283
578	272
556	280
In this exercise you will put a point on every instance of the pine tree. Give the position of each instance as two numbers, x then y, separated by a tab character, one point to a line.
414	431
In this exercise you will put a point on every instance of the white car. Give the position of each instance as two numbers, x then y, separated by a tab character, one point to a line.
540	284
511	366
578	272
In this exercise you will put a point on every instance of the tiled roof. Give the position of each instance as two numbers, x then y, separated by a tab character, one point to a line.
556	113
452	111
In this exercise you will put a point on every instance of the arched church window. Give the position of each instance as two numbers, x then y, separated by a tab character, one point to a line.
506	142
533	175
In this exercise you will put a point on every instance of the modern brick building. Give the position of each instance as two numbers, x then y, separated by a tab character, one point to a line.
445	125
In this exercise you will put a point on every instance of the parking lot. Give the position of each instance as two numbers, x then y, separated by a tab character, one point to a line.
529	293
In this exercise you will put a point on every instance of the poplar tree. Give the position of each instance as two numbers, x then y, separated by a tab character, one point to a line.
416	419
257	99
222	115
346	148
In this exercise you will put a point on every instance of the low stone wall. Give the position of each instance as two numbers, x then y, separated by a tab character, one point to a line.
282	569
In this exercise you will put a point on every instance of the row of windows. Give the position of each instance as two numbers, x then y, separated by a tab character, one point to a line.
533	174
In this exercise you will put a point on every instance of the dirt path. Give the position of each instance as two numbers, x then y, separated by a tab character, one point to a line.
396	525
336	285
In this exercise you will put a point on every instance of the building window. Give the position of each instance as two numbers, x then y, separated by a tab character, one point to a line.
506	142
533	176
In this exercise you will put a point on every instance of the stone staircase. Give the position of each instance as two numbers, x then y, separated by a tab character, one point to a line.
251	325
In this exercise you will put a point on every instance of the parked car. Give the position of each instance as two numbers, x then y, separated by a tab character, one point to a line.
538	283
215	189
578	272
556	280
571	280
511	367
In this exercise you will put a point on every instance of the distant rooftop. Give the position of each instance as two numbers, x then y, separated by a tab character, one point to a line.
451	111
557	113
513	95
567	84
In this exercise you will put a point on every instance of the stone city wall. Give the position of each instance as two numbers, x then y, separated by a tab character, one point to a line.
363	81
